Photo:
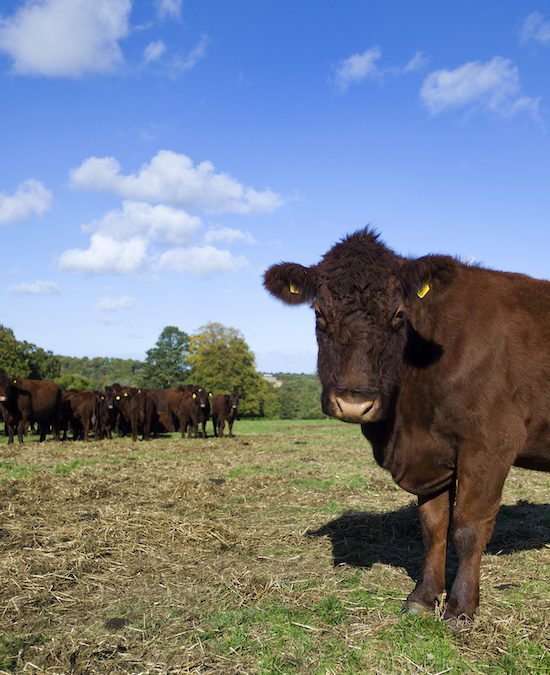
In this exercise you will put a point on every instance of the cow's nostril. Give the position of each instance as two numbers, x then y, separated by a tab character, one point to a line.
354	406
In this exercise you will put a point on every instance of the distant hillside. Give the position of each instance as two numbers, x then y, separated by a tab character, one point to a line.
102	370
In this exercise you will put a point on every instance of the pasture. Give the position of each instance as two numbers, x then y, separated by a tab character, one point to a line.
283	550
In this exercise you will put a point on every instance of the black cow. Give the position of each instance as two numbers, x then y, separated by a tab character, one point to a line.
446	367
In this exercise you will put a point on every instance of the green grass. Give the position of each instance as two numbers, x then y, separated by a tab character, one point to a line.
11	646
13	469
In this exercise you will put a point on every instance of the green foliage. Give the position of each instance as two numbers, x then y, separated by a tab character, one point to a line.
222	362
73	381
271	405
100	371
43	364
13	360
300	397
166	364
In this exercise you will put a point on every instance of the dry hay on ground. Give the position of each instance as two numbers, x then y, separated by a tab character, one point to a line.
116	557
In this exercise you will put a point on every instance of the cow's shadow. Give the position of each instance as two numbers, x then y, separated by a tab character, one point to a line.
361	539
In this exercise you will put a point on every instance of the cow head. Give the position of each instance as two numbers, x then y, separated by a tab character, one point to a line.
4	383
201	396
362	294
234	400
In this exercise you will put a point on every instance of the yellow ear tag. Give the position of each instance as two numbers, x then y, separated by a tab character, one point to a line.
118	398
194	396
15	381
422	292
292	288
125	393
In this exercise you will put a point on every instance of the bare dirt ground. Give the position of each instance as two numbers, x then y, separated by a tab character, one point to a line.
279	552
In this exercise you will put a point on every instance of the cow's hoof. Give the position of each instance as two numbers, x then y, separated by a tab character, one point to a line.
456	622
412	607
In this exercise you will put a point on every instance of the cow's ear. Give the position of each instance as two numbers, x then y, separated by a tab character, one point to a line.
291	283
427	275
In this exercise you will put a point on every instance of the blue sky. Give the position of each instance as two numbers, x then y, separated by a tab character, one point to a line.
159	155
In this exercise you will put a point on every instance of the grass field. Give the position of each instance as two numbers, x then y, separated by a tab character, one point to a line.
283	550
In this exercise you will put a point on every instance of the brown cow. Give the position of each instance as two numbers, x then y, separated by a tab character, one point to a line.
447	369
106	413
29	401
80	412
138	409
224	409
193	408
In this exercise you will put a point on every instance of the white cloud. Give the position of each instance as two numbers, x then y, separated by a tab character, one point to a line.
359	67
417	62
159	224
228	235
115	304
356	68
173	178
493	86
182	65
536	28
130	240
30	197
203	260
169	8
58	38
154	51
106	255
35	288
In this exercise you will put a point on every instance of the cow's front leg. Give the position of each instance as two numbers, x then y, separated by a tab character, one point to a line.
434	520
477	504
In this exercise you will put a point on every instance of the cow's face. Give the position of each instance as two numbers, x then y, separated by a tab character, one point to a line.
202	397
361	337
4	383
234	400
359	294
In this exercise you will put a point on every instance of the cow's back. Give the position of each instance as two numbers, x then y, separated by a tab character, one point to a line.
44	396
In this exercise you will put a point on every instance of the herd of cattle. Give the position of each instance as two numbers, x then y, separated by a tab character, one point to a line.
116	410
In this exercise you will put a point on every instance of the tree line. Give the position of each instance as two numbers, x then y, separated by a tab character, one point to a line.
216	357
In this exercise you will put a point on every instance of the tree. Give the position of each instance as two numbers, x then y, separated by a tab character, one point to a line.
73	381
13	360
100	371
43	364
222	362
166	364
300	397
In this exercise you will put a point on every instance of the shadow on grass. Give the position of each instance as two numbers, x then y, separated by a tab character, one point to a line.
360	538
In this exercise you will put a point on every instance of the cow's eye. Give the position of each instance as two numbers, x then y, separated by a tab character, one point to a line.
398	318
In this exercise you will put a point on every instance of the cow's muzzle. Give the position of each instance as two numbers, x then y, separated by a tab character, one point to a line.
357	407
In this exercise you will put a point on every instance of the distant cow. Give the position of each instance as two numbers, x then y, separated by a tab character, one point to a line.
106	414
29	401
447	369
9	421
138	410
79	412
224	409
192	410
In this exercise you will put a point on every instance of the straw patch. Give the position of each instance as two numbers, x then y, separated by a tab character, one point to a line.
282	552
